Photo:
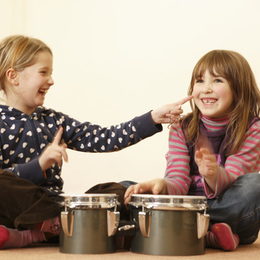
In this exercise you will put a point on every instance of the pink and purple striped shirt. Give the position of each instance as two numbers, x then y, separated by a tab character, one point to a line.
246	160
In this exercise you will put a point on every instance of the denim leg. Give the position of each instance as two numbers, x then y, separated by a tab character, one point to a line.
239	206
127	183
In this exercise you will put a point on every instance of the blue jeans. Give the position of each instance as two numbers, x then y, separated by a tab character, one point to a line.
127	183
239	206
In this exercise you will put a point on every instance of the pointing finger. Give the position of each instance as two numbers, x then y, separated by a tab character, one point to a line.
57	137
64	153
184	100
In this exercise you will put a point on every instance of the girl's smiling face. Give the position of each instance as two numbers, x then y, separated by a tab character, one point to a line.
212	95
33	82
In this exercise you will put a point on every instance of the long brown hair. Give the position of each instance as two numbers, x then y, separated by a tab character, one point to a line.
246	95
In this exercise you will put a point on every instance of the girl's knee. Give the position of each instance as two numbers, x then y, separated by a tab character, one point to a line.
249	184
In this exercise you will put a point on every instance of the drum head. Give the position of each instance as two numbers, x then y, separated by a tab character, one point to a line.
169	202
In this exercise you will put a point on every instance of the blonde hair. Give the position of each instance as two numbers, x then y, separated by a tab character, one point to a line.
246	95
18	52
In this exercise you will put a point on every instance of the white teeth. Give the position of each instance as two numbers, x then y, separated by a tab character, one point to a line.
208	101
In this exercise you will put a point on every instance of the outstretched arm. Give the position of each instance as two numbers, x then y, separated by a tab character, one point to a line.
89	137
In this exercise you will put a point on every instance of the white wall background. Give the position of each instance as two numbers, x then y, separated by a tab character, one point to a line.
115	59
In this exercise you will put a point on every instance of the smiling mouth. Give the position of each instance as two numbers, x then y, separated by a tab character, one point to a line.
208	100
43	92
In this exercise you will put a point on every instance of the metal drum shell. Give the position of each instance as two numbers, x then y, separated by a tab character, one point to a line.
173	226
89	224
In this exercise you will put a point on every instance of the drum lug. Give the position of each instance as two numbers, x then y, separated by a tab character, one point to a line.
66	226
144	219
113	218
202	224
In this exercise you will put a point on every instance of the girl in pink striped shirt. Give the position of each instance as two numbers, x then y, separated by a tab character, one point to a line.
215	150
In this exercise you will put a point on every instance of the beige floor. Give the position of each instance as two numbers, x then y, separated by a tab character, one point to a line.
251	252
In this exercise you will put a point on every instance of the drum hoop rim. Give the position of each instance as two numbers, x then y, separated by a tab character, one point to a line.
168	196
171	202
90	200
168	206
90	195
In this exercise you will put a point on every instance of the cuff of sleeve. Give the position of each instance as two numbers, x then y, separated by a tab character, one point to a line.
31	171
145	125
210	194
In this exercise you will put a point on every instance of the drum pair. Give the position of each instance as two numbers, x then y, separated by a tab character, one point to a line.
164	224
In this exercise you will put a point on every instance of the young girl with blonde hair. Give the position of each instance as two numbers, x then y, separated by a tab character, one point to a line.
215	150
33	142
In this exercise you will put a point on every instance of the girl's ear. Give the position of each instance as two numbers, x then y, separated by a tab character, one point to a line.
12	76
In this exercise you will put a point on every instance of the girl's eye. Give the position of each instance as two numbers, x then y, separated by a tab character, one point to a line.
218	80
198	81
43	72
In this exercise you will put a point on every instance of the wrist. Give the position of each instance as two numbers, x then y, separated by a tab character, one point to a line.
154	117
41	164
164	189
211	181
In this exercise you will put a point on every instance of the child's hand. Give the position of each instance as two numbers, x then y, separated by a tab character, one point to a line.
208	166
156	186
54	152
169	113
